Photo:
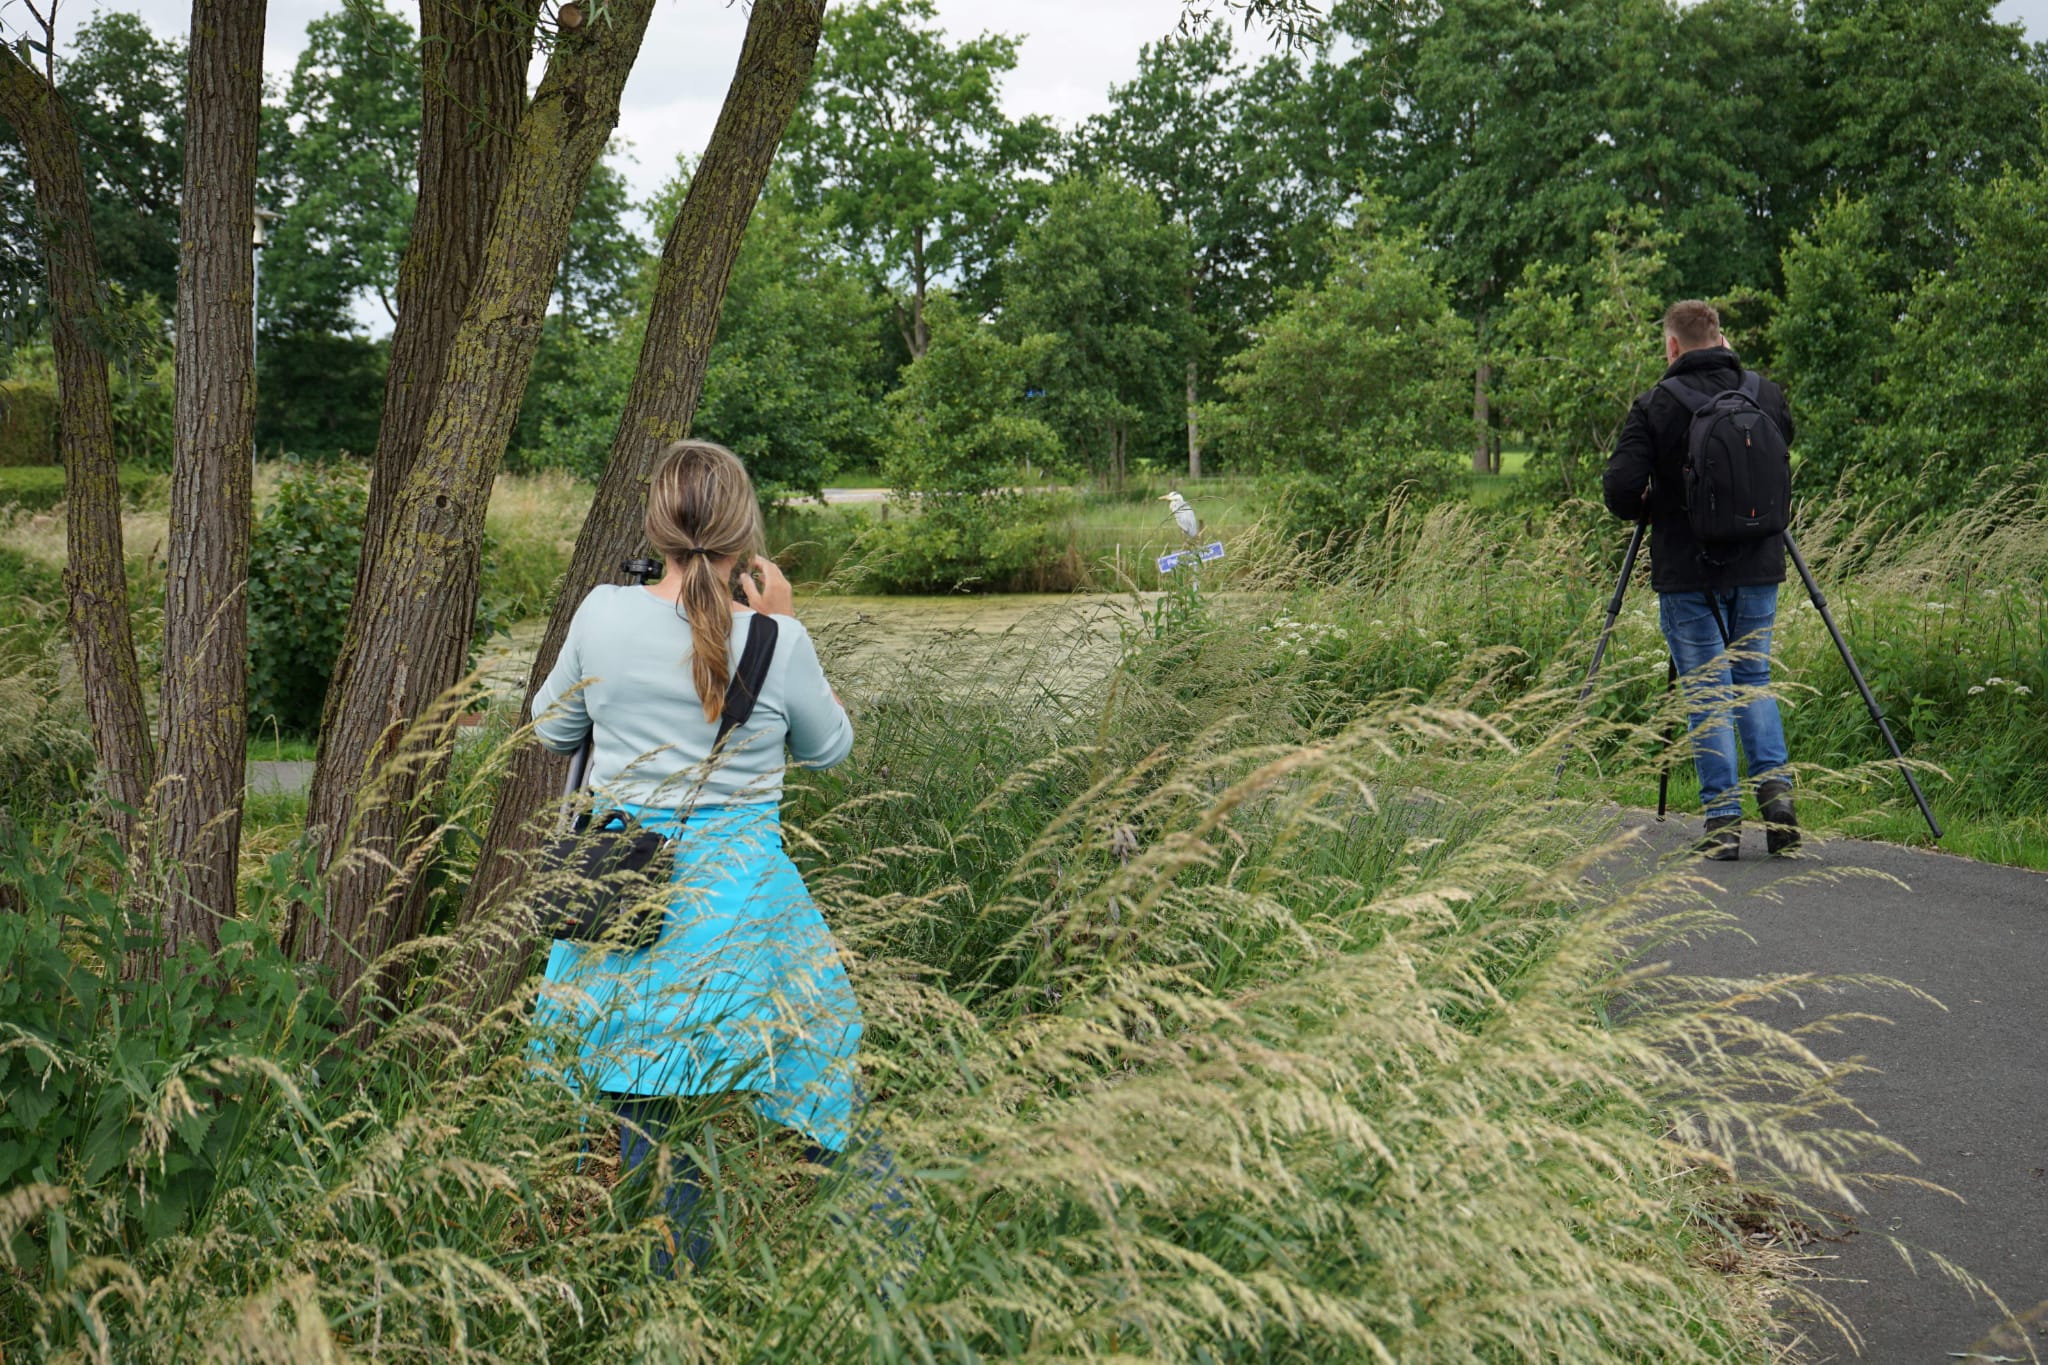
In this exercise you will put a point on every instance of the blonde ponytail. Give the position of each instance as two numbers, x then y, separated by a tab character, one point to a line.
701	508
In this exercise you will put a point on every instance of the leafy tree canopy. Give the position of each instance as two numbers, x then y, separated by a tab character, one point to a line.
904	145
1101	272
343	155
1356	372
124	89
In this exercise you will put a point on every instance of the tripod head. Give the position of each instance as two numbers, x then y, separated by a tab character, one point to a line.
640	570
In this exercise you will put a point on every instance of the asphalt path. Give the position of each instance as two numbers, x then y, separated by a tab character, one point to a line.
1963	1085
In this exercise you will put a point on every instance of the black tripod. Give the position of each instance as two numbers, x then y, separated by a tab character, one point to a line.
1820	604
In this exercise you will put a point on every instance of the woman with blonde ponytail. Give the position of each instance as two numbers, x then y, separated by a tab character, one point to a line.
743	992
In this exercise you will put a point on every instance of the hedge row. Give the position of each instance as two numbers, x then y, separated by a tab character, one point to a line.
28	423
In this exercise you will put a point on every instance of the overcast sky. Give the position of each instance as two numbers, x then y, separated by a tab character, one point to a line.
1073	50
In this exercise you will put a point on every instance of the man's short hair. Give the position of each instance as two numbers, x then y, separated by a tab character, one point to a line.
1694	322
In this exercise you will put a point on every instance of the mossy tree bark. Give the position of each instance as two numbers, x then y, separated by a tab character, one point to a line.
473	56
696	263
198	803
409	627
95	576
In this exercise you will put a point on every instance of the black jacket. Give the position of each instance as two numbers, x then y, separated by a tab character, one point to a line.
1650	454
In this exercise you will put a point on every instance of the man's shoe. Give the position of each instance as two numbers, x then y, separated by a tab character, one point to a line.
1723	841
1781	822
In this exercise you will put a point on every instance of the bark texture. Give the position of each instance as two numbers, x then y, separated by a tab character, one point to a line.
415	606
473	59
95	576
696	263
198	804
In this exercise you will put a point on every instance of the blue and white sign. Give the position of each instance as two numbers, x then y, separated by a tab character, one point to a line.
1192	558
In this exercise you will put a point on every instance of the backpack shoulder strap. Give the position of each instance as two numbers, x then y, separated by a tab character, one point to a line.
1752	385
749	678
1695	402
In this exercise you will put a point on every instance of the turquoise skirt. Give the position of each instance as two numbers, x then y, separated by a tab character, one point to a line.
743	991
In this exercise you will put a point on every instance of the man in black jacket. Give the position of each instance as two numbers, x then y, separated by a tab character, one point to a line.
1708	602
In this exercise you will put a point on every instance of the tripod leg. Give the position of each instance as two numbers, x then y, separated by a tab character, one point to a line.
1670	742
1820	604
1628	570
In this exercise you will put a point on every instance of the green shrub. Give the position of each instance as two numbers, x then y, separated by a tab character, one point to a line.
320	394
302	572
37	488
962	541
142	1090
1371	360
1321	513
46	757
1577	343
28	422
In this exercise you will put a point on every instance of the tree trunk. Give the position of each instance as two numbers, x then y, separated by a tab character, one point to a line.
474	55
696	262
920	337
409	627
1194	431
205	701
1482	441
95	577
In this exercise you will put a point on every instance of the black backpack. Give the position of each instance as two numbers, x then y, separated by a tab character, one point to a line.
1737	480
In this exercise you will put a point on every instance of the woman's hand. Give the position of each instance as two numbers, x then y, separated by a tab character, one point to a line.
770	593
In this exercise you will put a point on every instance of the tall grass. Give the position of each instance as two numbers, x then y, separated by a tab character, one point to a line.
1214	1022
1947	619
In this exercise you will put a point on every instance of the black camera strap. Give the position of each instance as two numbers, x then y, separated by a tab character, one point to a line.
749	678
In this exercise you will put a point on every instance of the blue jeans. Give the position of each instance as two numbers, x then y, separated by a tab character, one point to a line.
644	1120
1724	685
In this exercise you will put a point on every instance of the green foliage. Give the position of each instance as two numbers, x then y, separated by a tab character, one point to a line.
302	574
342	157
1235	157
1834	343
902	141
134	337
603	257
1577	344
1103	275
964	426
1907	401
964	432
1923	99
795	380
124	89
28	422
573	397
319	394
1969	357
140	1092
38	488
1359	380
46	757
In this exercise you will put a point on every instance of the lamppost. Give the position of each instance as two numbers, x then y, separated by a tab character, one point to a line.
264	217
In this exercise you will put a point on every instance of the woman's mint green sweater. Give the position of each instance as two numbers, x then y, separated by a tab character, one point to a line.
630	651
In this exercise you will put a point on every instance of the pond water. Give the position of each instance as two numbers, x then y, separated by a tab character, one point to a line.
862	638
